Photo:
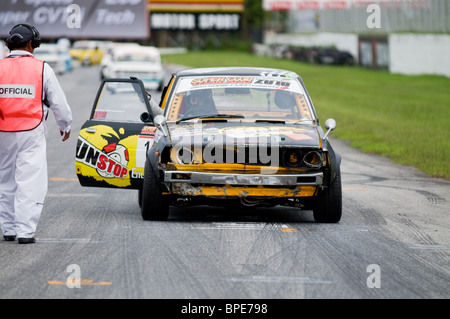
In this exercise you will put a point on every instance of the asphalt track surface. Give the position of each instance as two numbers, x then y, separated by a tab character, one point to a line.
393	240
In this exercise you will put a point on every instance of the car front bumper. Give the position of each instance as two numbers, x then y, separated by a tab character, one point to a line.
191	183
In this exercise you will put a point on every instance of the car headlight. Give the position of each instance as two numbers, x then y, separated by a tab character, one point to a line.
313	159
182	155
292	158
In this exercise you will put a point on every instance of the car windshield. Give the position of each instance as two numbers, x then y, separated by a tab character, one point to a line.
83	45
256	98
136	57
43	52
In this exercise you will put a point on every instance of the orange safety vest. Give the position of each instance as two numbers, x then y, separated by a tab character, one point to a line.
21	85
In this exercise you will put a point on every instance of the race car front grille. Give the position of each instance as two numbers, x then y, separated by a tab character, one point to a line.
290	158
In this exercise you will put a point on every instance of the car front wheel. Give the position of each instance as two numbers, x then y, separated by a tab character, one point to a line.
154	205
328	206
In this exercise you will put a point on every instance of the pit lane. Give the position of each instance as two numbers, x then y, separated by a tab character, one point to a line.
393	217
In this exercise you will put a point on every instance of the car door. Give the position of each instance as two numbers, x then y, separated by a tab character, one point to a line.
113	143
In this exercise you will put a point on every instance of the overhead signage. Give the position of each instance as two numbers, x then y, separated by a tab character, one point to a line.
286	5
195	21
109	19
196	6
277	5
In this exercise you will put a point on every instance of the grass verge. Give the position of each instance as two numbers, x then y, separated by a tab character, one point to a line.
406	118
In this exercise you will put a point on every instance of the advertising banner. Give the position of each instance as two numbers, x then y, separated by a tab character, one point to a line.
288	5
195	21
213	6
282	5
200	15
99	19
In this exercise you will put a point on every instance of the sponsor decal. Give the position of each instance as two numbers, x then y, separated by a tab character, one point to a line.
100	115
86	19
195	21
222	80
148	130
113	155
258	82
246	132
111	162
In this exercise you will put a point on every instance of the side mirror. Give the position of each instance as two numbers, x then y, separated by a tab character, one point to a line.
330	125
160	122
149	96
145	117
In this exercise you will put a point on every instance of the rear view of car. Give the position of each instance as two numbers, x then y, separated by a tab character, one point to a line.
141	62
51	55
87	52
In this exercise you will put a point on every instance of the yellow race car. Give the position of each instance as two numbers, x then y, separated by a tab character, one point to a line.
87	52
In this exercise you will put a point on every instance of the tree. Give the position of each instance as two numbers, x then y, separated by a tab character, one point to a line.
253	20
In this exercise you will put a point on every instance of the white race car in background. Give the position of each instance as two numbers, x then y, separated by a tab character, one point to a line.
49	53
142	62
3	49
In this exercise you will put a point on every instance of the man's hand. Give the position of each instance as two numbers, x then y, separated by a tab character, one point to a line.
66	135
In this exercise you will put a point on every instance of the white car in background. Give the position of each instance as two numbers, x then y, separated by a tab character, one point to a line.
3	50
49	53
142	62
110	48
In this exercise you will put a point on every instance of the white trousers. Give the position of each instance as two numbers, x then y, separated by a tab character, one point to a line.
23	181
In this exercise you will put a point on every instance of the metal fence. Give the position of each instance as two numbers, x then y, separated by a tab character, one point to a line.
392	16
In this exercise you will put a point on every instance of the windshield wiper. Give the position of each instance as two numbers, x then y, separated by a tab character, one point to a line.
270	121
233	116
213	116
305	121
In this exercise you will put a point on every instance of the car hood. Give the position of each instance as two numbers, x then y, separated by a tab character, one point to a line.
250	133
136	66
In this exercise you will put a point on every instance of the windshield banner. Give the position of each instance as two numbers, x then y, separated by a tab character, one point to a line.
211	82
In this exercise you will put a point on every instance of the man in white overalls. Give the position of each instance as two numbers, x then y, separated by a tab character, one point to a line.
28	89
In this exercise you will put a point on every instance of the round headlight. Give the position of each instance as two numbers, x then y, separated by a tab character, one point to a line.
292	158
313	159
185	156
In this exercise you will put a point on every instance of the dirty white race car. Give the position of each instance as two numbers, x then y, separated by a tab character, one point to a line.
244	137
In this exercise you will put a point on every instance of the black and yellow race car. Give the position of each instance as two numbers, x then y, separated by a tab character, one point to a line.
234	137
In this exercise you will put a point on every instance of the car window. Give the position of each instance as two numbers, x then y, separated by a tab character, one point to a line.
136	57
119	102
252	97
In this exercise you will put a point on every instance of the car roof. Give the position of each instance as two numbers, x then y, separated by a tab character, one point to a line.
46	47
236	71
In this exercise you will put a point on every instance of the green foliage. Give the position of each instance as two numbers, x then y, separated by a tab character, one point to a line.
254	13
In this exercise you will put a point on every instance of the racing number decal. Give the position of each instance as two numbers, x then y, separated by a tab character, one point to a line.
145	141
143	145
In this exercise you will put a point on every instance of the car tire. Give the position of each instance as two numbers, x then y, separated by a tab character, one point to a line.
140	197
154	205
328	206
